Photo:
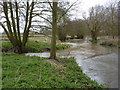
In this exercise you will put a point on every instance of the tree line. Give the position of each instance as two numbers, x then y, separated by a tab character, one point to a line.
101	21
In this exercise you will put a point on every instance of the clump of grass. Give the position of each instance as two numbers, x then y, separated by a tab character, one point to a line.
62	46
93	41
33	46
33	72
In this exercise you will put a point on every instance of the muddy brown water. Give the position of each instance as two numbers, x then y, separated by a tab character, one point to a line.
98	62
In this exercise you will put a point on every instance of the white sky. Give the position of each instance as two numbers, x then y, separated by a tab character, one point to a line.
86	4
84	7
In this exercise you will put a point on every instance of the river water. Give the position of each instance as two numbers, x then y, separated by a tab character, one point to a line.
98	62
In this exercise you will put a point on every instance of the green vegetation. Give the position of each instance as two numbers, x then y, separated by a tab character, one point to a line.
35	72
5	46
93	41
62	46
33	46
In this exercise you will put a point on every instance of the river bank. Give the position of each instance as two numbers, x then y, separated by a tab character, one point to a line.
31	46
21	71
98	62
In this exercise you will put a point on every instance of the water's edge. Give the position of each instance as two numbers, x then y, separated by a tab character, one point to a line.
99	63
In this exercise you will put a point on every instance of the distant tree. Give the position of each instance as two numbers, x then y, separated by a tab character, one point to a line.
111	17
61	30
76	28
79	29
118	19
95	21
11	25
71	28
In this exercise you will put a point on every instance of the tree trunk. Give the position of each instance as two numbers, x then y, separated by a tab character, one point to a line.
94	36
54	28
113	37
19	49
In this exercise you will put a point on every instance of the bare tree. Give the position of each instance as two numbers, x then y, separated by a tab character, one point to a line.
77	28
61	30
54	28
11	25
55	20
111	16
95	21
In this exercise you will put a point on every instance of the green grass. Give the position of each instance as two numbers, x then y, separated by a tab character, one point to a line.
93	41
5	46
33	46
35	72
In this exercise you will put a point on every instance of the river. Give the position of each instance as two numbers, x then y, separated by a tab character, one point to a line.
98	62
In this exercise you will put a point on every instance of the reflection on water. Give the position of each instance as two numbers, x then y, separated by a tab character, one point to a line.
99	63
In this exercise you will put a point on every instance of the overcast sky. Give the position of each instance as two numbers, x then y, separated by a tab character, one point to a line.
84	6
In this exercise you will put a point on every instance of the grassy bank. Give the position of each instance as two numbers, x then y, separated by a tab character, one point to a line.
33	46
35	72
